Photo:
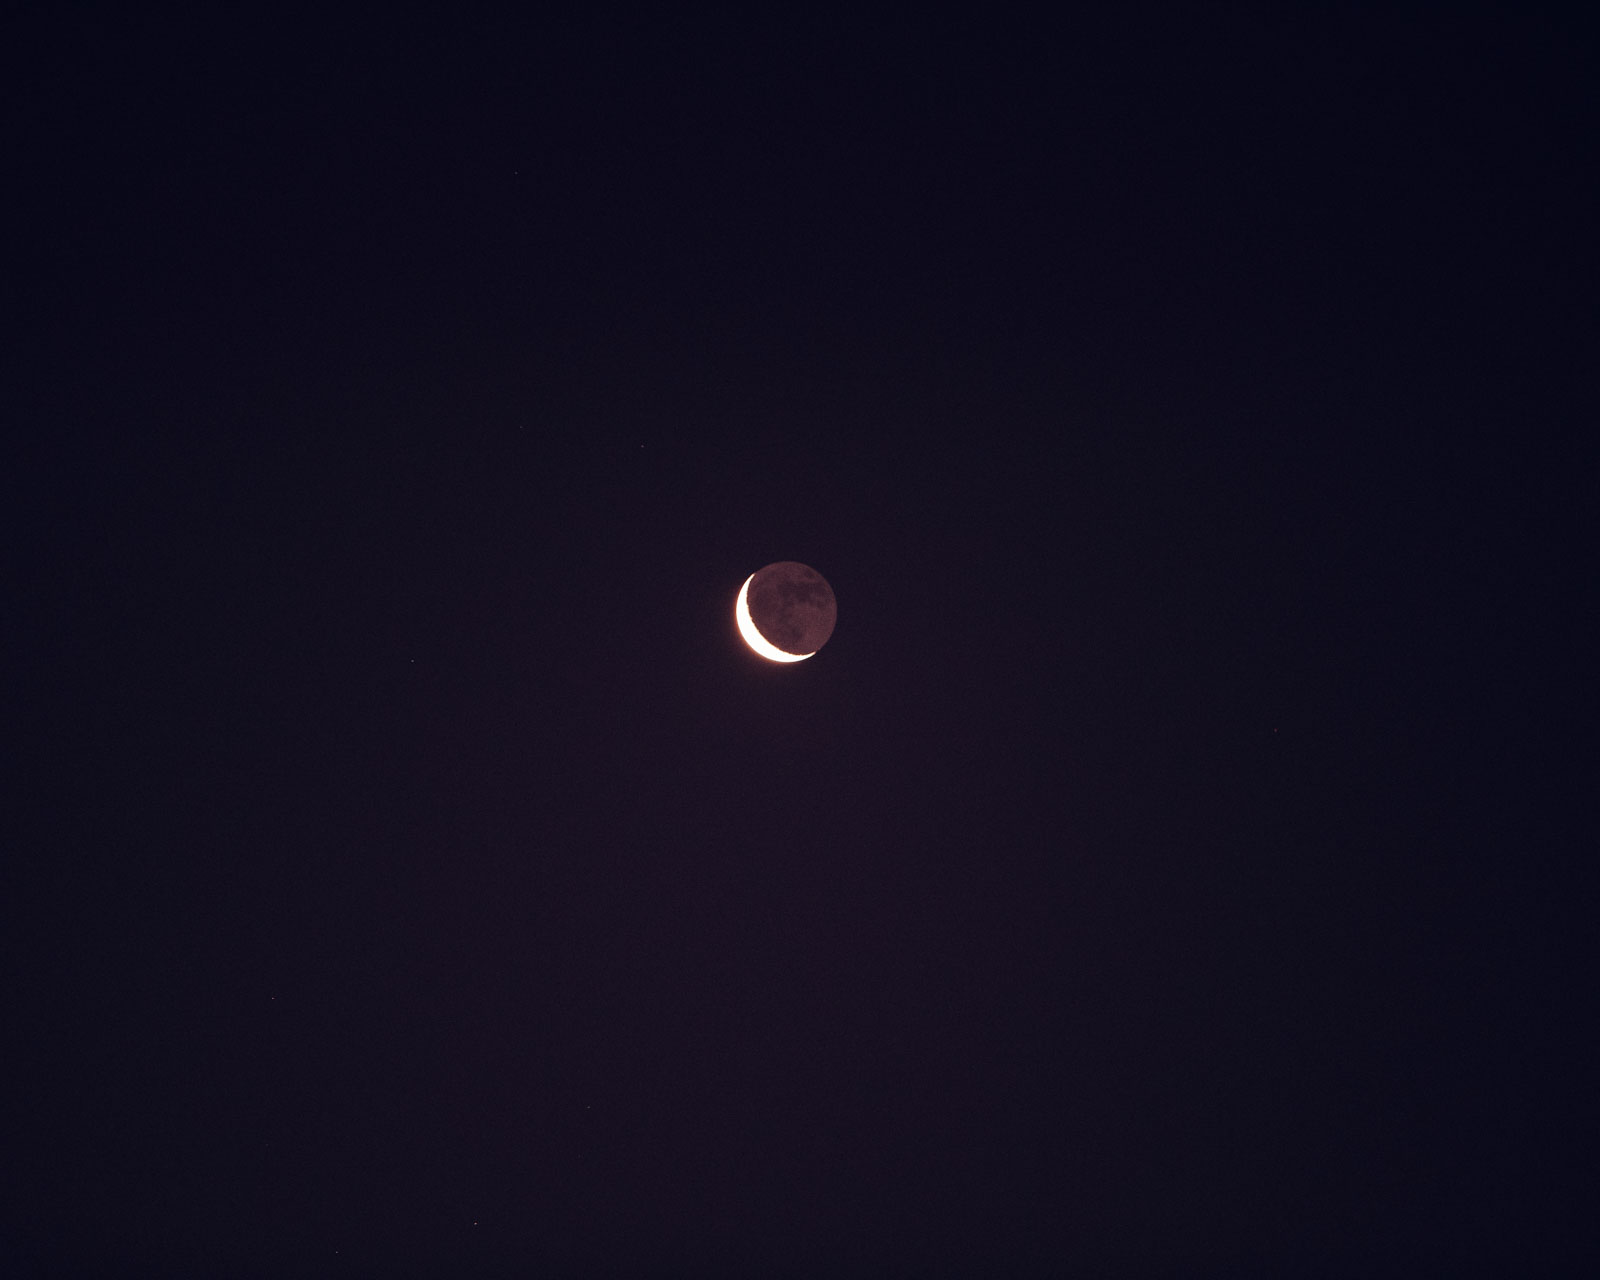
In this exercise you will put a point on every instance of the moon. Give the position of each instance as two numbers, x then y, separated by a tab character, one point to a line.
786	611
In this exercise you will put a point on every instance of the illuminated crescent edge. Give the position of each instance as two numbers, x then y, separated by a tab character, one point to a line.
754	638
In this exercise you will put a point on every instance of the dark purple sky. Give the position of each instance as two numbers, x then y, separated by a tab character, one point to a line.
1170	867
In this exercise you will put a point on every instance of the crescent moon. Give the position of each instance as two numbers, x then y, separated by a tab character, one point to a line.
754	638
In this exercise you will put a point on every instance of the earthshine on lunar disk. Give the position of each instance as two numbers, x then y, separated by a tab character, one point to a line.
786	611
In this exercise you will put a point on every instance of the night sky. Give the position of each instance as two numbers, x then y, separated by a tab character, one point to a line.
1179	862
